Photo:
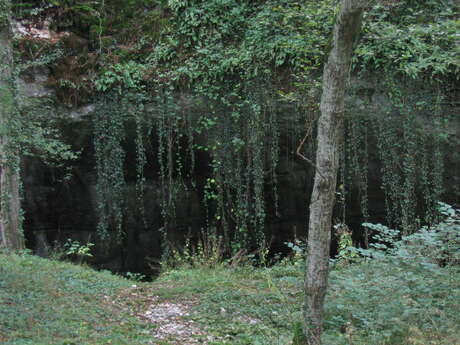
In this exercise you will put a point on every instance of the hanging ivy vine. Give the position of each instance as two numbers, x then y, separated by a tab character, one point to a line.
410	138
237	62
122	99
108	137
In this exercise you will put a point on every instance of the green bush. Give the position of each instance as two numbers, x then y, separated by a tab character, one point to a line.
404	291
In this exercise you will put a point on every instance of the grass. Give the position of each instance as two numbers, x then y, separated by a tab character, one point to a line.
50	302
244	305
387	301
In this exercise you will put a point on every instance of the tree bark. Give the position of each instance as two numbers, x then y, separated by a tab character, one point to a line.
10	215
330	132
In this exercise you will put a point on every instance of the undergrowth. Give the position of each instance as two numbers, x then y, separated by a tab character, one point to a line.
368	303
403	290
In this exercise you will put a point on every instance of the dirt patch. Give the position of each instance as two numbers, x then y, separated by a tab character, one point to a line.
173	323
171	320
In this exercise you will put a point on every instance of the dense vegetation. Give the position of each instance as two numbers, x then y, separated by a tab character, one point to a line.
398	292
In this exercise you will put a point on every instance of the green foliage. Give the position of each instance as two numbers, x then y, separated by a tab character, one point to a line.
108	137
409	132
119	76
437	244
78	249
207	252
137	277
413	44
71	250
227	55
40	139
30	130
243	38
405	292
402	291
122	99
5	11
299	249
413	38
345	255
22	131
299	337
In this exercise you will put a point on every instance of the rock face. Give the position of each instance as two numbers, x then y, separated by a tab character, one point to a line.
60	202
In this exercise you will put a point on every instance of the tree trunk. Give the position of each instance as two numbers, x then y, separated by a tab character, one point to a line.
10	219
330	133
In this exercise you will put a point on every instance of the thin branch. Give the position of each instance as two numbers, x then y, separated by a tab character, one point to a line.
299	153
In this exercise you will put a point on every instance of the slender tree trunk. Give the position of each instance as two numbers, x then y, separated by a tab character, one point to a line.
330	133
10	220
458	17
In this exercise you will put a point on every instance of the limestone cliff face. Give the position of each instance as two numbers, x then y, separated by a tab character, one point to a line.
60	202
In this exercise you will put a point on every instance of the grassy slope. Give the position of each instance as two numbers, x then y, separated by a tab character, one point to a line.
49	302
376	303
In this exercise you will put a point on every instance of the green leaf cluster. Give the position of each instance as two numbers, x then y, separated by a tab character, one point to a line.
413	38
403	290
